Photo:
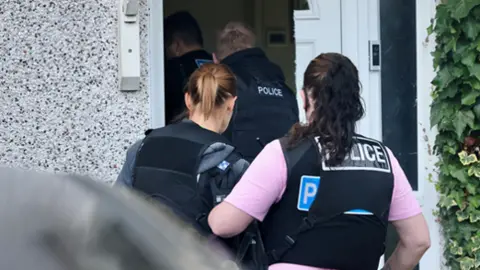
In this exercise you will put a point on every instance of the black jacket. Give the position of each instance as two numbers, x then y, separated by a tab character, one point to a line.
177	72
266	107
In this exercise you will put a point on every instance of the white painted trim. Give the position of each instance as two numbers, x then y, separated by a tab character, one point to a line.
374	82
302	45
156	82
425	10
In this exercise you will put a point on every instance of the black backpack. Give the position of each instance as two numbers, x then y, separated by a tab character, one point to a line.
192	204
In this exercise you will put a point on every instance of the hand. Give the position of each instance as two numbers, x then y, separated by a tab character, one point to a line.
222	184
224	178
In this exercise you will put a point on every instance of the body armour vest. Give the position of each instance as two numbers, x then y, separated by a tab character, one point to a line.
166	169
332	217
266	108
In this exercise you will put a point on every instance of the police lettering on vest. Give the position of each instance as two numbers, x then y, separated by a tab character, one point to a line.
270	91
366	155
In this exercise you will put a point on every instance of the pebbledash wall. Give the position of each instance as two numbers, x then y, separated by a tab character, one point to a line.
60	107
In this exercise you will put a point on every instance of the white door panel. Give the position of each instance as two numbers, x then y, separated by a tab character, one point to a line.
317	30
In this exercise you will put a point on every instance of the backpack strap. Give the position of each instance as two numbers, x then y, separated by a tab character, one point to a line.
251	251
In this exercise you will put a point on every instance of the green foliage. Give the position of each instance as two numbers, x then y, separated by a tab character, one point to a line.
455	112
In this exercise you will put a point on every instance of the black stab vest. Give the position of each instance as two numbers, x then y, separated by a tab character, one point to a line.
332	217
266	108
166	169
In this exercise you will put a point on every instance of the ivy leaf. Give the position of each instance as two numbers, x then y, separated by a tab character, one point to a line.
436	113
475	240
430	29
474	201
474	170
459	197
466	263
461	8
439	58
474	83
444	77
475	70
471	188
467	159
449	92
477	258
475	217
476	110
446	202
469	59
471	29
470	98
455	248
461	174
462	120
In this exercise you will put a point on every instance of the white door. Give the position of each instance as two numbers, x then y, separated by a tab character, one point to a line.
343	26
317	29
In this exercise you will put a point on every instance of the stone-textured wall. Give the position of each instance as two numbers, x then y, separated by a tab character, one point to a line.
60	106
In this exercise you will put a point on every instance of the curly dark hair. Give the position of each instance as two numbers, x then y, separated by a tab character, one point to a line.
331	83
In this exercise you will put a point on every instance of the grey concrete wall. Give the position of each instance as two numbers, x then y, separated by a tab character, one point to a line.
59	104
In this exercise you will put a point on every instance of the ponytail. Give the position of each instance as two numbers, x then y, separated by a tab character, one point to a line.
207	86
331	80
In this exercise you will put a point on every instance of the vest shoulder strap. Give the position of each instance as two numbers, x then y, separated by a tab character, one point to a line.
293	155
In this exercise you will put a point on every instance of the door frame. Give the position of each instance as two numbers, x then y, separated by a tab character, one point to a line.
426	195
156	80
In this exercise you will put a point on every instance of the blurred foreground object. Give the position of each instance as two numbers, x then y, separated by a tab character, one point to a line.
57	222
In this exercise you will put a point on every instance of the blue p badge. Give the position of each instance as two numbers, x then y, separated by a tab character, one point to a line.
200	62
308	190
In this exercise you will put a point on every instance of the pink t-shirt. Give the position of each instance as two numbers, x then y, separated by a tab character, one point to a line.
264	183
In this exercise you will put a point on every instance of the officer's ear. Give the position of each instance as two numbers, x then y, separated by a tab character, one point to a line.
188	101
215	59
304	99
231	103
176	47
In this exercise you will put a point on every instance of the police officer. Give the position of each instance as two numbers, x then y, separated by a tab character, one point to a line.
266	107
171	162
184	53
324	193
188	165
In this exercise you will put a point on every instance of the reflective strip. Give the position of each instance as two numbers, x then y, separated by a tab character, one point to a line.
358	212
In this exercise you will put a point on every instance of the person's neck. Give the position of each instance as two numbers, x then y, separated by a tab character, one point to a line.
209	124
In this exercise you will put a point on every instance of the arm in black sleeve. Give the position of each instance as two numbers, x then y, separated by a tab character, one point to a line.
125	178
